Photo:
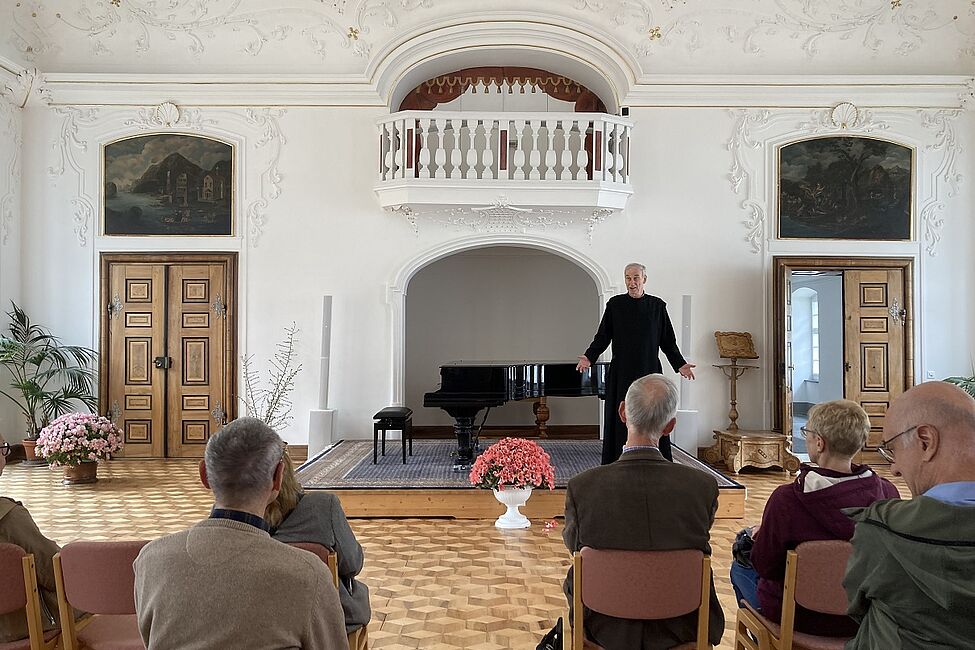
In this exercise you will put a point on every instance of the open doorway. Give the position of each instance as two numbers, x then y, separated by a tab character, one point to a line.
843	330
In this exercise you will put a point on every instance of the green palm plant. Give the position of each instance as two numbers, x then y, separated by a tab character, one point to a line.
48	378
967	384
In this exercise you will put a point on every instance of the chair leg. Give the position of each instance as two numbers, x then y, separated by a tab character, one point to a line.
384	440
405	435
375	443
750	634
409	426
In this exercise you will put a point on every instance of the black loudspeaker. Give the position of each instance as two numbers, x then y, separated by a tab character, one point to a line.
625	111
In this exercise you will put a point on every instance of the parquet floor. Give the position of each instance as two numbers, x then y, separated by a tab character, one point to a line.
436	584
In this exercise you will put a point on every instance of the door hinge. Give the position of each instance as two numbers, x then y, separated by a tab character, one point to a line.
219	306
114	307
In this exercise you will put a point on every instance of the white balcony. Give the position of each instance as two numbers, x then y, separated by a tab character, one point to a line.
554	163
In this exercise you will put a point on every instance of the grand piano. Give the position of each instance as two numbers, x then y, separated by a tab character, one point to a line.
466	387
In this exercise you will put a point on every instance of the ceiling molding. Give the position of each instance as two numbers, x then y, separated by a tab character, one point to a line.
705	91
728	91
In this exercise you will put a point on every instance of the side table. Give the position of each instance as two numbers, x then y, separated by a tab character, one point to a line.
743	448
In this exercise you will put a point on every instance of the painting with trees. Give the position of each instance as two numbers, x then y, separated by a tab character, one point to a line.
845	188
168	184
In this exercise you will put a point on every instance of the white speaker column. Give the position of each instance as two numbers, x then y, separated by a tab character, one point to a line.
321	424
686	432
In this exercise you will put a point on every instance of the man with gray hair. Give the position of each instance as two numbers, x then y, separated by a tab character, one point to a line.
224	583
638	327
641	502
909	580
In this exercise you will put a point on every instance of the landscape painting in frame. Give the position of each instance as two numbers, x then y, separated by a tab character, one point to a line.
168	184
845	188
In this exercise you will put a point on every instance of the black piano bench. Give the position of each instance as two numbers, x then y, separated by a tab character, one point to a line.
392	418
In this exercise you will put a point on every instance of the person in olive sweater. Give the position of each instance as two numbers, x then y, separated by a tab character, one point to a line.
909	580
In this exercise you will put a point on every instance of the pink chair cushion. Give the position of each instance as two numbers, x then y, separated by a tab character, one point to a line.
24	644
819	575
112	633
322	552
801	640
13	592
98	576
644	585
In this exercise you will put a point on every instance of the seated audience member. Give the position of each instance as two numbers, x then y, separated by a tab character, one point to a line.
910	579
642	502
224	583
809	509
17	527
297	516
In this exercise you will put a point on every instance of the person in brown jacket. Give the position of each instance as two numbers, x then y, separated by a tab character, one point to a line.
642	502
224	583
18	527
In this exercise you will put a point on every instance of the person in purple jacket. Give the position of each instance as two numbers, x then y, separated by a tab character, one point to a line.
809	509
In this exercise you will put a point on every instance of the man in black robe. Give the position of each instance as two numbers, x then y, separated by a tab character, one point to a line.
638	326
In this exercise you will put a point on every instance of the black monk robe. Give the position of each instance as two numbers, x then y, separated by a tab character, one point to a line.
639	328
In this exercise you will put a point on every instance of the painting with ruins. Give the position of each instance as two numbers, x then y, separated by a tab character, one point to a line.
168	184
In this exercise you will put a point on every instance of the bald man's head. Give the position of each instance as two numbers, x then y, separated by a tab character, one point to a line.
931	431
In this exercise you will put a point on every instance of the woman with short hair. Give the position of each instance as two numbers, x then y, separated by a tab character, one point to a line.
299	516
810	509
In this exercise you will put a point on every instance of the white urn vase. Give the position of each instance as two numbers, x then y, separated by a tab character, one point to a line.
513	498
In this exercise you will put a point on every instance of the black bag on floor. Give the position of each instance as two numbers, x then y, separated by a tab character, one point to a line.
552	640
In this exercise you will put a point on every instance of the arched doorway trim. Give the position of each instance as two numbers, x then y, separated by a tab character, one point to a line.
396	290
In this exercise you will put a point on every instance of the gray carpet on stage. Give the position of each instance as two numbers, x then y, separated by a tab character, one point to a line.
348	464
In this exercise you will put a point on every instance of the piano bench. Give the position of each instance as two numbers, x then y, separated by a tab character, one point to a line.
392	418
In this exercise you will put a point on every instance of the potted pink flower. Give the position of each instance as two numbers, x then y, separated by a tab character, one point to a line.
513	467
77	441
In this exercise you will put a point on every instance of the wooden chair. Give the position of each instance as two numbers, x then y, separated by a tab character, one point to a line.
18	590
358	639
813	579
641	585
97	577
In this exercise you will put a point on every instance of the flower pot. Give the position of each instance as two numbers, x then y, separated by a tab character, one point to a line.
513	498
30	456
80	473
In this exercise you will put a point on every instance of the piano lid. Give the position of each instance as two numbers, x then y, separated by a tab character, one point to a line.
513	362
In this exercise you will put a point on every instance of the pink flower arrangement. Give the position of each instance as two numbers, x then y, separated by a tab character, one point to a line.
516	462
76	438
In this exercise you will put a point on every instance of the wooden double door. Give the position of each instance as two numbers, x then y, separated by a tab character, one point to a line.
878	358
168	350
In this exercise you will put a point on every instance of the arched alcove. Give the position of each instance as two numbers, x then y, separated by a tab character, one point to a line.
593	59
498	303
398	287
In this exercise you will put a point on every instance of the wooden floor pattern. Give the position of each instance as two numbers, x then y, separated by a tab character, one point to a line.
436	584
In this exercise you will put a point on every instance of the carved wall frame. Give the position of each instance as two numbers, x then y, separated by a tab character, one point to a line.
757	135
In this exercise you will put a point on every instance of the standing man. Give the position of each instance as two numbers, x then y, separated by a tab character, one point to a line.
639	327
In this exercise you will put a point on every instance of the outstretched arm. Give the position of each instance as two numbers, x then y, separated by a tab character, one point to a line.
599	342
668	343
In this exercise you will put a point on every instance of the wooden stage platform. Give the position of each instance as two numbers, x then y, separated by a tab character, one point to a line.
425	487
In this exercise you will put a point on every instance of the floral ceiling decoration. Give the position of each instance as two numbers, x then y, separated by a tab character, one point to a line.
771	36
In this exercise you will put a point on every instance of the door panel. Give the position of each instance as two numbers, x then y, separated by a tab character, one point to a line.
874	337
169	363
787	358
197	395
137	389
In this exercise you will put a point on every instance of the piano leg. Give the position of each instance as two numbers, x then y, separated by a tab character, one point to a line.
464	430
540	409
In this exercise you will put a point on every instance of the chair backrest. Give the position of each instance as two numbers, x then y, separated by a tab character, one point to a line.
98	576
820	567
327	555
642	584
13	591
